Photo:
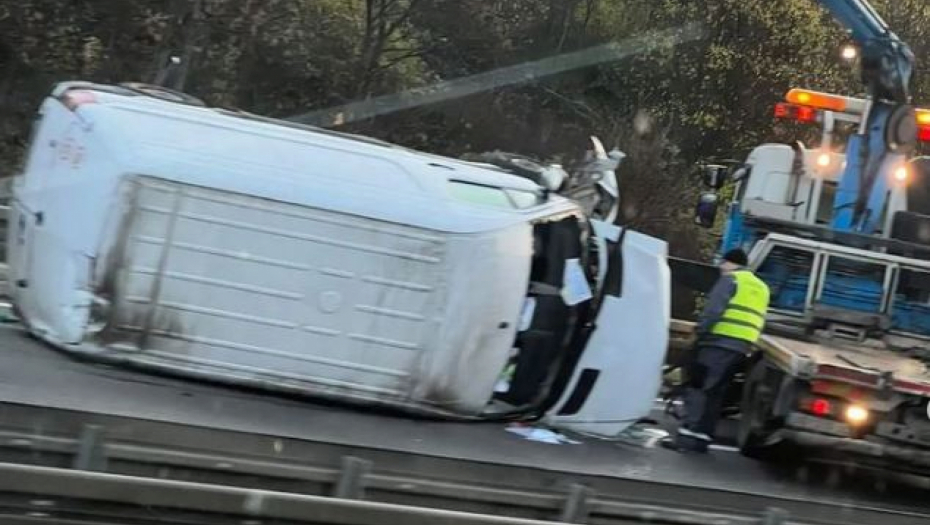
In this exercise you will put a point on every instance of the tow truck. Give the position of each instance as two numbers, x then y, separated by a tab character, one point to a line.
843	240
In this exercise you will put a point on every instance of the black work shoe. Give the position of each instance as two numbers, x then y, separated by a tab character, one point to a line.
692	444
682	443
669	443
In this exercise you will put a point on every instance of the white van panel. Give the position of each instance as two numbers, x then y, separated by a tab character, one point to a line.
208	148
237	288
487	282
60	203
231	283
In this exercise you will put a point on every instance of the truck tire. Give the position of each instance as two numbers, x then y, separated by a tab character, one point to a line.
756	419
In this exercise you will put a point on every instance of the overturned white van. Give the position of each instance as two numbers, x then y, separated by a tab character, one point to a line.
150	230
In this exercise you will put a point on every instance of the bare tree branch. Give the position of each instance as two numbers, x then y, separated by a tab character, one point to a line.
580	108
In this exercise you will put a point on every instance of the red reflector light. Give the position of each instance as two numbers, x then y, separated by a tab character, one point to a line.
807	115
847	375
802	114
783	110
923	134
821	407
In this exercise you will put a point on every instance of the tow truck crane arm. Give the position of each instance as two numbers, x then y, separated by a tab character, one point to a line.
887	62
888	131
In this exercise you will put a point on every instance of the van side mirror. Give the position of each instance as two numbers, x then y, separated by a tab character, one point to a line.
714	176
705	214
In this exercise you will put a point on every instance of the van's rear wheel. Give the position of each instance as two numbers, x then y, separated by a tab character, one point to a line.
756	419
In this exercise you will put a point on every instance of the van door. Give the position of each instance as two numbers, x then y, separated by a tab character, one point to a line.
18	245
619	374
51	201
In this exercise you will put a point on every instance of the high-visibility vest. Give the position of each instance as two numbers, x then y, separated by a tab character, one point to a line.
744	317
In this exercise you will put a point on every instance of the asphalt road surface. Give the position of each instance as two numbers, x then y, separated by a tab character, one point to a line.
35	375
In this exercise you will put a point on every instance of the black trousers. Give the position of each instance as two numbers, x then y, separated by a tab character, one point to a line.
710	373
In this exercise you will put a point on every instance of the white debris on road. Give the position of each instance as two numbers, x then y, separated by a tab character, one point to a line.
541	435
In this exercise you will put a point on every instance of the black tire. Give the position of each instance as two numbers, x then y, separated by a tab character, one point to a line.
756	419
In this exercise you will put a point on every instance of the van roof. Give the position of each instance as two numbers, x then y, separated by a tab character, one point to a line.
290	162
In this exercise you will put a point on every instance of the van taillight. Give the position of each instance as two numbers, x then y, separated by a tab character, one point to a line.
77	98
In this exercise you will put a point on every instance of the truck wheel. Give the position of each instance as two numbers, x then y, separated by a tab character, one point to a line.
756	414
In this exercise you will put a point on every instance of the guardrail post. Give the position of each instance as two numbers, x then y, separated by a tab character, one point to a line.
351	482
576	509
775	516
90	453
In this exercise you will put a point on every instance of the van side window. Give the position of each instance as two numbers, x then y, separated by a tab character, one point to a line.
479	194
525	199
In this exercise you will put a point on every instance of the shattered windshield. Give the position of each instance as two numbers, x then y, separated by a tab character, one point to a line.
464	261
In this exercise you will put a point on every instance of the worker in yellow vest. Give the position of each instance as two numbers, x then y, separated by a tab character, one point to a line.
732	321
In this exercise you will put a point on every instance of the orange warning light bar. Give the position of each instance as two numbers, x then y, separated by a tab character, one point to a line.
818	100
827	101
806	106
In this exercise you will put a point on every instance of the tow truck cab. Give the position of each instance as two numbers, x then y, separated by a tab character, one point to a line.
796	185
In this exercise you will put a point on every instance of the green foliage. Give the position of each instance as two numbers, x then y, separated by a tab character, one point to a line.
711	98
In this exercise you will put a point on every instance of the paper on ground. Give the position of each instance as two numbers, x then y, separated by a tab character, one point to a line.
541	435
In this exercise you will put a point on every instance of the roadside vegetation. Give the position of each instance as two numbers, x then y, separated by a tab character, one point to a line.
666	106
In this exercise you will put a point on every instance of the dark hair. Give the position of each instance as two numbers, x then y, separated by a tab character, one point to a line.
737	257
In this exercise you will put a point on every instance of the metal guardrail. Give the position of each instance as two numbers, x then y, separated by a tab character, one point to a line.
354	479
86	497
228	462
75	494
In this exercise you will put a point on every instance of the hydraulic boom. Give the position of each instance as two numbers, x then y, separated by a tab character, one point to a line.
887	62
888	131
